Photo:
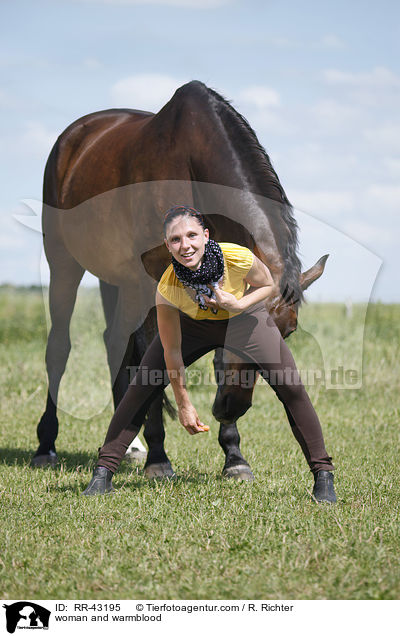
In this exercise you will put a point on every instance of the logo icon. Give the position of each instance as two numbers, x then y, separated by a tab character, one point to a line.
26	615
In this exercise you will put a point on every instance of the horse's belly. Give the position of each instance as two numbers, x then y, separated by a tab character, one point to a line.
107	239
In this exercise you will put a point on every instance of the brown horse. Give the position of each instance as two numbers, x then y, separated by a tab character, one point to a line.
108	180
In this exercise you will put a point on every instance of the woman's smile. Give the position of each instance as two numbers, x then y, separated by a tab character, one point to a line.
188	255
186	240
189	259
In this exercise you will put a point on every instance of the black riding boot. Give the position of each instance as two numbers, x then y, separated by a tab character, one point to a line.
323	487
100	483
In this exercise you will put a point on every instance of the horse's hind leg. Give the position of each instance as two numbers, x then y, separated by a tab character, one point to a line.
64	282
109	298
157	464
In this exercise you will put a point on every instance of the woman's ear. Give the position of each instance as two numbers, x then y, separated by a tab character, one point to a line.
207	234
166	243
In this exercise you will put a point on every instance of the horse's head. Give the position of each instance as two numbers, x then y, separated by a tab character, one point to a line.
283	307
230	403
284	313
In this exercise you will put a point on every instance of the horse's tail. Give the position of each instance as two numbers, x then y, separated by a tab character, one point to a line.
168	406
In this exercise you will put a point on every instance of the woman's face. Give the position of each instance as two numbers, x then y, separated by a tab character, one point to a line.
186	240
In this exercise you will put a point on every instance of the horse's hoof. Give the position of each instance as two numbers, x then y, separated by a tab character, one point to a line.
159	471
135	455
49	459
241	472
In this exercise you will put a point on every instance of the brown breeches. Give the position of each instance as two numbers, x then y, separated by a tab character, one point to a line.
254	337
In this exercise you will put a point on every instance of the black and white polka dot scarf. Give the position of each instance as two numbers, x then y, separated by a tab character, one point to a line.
209	273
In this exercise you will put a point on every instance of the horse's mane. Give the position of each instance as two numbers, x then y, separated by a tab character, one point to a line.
268	185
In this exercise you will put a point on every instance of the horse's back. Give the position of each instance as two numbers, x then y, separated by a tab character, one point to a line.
79	146
86	129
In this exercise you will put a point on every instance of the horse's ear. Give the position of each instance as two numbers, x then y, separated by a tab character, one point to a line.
156	260
311	275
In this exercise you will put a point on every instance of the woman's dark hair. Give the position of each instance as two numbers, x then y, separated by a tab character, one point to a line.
182	210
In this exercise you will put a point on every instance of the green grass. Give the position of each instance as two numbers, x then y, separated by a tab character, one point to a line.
200	536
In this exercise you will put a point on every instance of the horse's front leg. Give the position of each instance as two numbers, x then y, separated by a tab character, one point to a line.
231	402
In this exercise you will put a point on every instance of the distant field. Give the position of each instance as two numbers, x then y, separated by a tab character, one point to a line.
200	536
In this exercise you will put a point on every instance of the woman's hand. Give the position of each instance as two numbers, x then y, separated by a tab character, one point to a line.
190	420
261	285
224	300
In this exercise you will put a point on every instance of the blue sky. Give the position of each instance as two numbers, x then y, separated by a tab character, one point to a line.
318	81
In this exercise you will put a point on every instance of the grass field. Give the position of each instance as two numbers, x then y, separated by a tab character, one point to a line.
200	536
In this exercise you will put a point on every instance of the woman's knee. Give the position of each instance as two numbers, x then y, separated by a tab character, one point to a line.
288	385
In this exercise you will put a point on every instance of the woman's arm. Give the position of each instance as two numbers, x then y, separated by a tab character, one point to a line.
261	286
169	329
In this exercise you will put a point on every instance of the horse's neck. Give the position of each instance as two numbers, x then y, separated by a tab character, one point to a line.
226	189
238	216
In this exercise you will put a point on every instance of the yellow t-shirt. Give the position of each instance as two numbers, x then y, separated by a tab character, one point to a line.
237	263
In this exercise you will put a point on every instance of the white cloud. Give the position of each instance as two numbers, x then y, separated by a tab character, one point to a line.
369	216
372	210
332	115
260	104
383	194
260	96
377	88
282	42
378	77
305	166
328	41
384	138
331	41
33	142
265	121
37	139
92	63
7	100
145	91
351	268
392	165
369	234
323	202
12	234
189	4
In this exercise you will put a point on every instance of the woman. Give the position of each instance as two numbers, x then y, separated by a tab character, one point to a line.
211	296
